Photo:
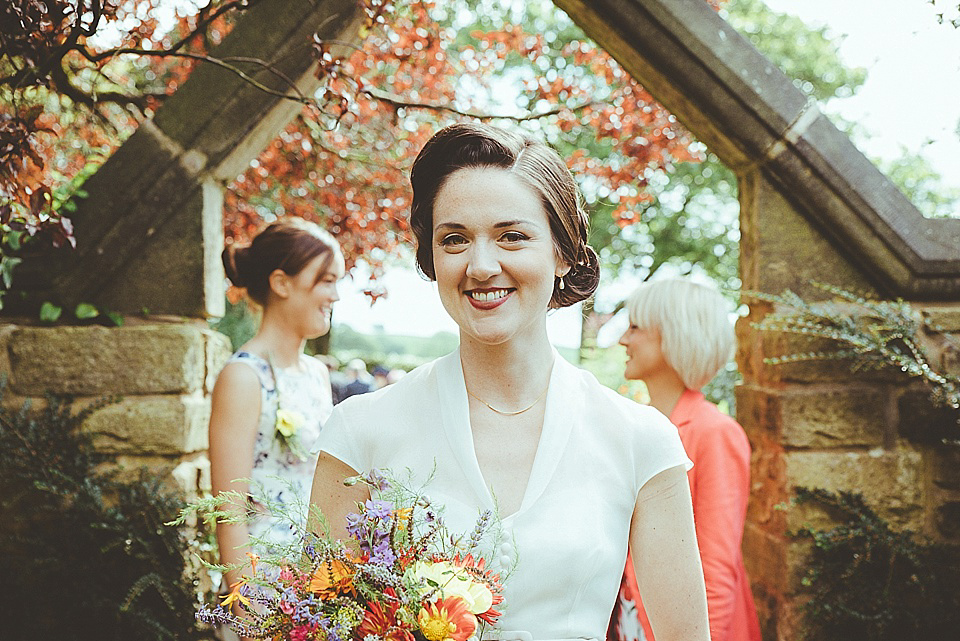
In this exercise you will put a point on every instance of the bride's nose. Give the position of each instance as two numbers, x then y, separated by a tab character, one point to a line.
483	262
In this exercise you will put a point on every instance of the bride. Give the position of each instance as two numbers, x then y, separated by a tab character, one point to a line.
575	472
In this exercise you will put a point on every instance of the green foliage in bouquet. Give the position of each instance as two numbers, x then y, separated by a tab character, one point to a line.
86	554
871	583
870	334
400	575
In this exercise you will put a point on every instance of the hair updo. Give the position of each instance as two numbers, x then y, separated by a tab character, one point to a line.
473	145
288	245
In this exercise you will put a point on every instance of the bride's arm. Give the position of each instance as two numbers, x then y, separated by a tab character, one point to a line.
663	543
335	499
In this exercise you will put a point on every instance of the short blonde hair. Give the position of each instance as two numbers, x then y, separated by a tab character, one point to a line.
696	335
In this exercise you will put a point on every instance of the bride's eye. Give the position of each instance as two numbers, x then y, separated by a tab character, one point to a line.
514	237
452	240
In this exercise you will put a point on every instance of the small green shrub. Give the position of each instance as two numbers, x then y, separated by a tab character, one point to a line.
86	554
871	583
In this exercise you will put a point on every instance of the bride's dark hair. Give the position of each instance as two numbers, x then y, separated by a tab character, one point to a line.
287	245
467	145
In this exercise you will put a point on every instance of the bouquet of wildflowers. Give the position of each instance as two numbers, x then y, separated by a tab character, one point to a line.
402	576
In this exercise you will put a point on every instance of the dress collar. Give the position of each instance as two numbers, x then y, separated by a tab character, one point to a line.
683	411
563	406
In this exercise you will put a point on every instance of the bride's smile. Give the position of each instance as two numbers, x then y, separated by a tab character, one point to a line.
494	255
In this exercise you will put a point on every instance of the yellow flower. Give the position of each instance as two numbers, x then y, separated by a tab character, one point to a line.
288	422
235	594
446	619
454	581
403	515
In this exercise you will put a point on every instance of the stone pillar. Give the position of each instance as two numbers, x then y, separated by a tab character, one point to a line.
817	424
162	374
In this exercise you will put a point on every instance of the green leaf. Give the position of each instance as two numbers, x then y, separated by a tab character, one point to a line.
13	240
49	313
115	317
85	311
7	263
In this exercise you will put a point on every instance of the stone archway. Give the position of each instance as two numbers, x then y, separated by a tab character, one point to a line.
812	206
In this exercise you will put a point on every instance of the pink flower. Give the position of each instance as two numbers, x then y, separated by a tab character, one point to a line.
302	632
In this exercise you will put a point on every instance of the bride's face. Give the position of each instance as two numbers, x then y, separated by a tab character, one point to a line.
493	254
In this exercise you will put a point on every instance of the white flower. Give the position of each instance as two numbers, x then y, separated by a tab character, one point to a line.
454	581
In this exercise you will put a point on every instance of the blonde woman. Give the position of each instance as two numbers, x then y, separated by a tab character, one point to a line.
680	336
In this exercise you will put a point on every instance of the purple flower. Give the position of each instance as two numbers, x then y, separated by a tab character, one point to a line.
377	480
382	554
377	509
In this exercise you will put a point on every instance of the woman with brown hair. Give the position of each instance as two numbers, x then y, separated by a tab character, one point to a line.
575	472
271	400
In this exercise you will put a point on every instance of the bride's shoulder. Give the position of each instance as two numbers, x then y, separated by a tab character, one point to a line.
614	408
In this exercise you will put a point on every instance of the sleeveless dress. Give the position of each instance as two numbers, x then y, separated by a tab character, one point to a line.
566	545
279	475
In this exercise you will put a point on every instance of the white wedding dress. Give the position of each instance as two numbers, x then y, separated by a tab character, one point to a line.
567	543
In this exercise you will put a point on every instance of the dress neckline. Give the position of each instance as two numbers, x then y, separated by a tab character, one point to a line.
558	420
301	368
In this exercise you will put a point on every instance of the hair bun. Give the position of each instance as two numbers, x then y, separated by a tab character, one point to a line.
581	281
235	264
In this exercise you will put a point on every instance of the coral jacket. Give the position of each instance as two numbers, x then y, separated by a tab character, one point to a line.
720	487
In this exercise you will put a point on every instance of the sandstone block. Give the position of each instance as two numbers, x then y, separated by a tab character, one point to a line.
946	468
944	316
781	249
781	345
758	411
947	518
142	425
891	481
130	468
765	558
217	352
828	419
6	331
921	421
90	361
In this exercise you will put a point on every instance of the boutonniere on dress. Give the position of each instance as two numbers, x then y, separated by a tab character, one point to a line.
288	424
288	428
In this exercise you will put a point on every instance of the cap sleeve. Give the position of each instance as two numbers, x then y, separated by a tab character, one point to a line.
340	439
656	447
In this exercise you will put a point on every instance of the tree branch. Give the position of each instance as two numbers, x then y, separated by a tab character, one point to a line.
399	103
62	81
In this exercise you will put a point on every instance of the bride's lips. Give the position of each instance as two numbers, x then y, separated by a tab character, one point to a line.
488	297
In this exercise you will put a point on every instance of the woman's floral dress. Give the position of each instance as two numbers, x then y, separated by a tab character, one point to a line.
283	475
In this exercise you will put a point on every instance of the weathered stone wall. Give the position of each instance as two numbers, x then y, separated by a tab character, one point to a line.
819	425
161	373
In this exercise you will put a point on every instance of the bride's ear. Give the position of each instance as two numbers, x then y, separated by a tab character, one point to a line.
279	283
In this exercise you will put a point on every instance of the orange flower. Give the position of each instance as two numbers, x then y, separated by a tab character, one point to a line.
380	620
333	577
477	567
447	619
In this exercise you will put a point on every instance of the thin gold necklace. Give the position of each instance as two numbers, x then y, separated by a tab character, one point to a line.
502	412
